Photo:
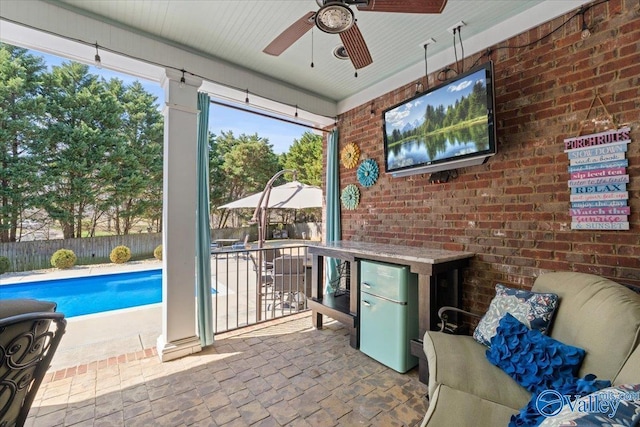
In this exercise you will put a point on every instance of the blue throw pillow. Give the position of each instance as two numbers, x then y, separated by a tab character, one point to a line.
534	309
535	361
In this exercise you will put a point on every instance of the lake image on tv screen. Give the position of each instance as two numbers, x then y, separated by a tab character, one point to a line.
446	123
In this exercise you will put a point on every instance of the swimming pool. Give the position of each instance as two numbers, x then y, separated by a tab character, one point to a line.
93	294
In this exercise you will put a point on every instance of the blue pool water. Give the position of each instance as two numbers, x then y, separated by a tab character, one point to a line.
93	294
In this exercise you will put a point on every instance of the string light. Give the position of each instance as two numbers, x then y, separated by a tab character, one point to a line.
296	115
97	60
183	82
246	99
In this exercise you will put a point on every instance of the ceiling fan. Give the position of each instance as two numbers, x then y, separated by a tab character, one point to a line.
335	17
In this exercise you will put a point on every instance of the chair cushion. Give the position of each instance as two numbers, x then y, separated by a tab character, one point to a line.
531	308
13	307
454	408
596	314
459	362
630	372
535	361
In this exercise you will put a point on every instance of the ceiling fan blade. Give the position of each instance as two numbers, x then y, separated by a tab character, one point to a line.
290	35
405	6
356	47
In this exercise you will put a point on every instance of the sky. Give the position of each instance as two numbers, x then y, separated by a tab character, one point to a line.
279	134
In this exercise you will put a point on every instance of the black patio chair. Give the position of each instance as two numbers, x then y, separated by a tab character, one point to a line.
30	332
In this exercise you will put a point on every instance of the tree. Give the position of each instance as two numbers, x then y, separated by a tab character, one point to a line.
239	167
80	133
20	108
305	156
133	173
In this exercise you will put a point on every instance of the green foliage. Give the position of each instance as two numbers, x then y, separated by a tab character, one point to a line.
81	130
5	265
133	175
241	166
120	254
305	156
63	259
20	107
83	149
157	252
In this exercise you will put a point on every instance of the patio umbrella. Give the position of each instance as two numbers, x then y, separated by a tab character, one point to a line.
292	195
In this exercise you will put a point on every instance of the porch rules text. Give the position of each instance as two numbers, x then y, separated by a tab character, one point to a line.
598	180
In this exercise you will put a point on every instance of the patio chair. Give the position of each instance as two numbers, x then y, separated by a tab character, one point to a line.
241	245
268	255
30	332
289	274
265	274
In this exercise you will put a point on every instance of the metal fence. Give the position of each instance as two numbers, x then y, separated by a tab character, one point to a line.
254	285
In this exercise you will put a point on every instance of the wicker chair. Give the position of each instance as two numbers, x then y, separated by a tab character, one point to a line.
30	332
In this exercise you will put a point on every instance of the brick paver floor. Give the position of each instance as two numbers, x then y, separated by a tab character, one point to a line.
279	373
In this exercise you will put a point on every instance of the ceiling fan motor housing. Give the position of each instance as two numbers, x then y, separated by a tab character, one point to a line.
334	17
350	2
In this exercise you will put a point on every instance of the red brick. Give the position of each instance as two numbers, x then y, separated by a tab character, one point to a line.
514	210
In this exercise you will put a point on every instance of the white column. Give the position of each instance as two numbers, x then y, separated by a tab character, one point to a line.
179	337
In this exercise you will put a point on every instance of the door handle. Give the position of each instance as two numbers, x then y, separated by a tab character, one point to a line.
366	303
366	285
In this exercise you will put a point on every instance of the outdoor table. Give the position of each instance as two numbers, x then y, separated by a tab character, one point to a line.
228	242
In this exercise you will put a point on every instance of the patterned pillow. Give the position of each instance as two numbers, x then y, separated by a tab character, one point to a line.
535	361
534	309
613	406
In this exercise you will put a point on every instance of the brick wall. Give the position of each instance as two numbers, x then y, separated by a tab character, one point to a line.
513	211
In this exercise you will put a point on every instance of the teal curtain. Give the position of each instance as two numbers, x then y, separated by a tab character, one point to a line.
203	228
332	231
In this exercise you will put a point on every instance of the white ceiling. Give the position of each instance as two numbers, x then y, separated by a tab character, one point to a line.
236	31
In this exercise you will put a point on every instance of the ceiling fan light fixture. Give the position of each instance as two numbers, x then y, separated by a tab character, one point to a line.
334	18
340	52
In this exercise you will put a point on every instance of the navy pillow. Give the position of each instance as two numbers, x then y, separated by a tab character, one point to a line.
535	361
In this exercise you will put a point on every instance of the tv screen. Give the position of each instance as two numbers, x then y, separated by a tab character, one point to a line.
447	127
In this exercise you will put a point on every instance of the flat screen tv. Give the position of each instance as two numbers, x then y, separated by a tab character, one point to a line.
447	127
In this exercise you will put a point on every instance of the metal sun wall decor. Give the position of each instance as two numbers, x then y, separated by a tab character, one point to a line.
350	197
350	155
598	180
368	172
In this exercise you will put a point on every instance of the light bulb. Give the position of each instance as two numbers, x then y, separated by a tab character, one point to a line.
585	34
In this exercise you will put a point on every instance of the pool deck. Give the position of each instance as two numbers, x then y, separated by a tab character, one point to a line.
101	336
104	336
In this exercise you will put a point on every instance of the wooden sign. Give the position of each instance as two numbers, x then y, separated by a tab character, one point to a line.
598	180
